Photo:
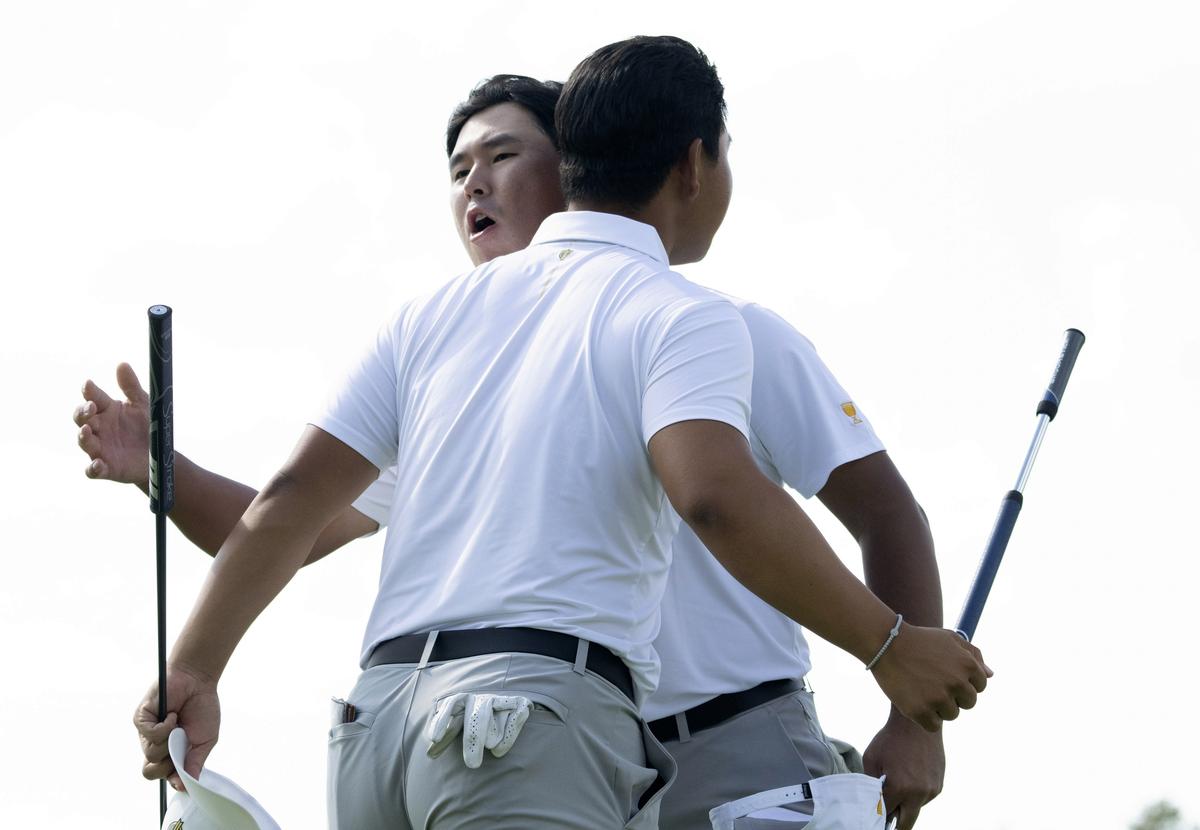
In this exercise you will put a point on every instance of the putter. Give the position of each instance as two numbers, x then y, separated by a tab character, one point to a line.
1010	506
162	488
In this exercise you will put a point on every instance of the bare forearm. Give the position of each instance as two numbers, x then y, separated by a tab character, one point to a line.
260	557
207	505
774	550
873	501
900	566
268	545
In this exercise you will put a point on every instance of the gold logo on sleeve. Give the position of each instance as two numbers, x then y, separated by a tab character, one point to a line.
851	412
564	253
176	825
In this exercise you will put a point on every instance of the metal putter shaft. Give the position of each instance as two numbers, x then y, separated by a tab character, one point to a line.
162	487
1010	507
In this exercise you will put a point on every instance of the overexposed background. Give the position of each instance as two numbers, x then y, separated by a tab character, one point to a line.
932	192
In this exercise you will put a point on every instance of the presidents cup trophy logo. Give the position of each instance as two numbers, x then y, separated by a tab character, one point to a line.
851	412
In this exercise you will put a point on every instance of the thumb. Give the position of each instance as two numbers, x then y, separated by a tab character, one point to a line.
194	762
127	379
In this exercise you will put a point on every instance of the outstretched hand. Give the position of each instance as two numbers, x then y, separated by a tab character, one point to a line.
192	704
914	762
116	434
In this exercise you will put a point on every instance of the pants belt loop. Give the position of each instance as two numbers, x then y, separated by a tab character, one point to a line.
429	641
681	725
581	655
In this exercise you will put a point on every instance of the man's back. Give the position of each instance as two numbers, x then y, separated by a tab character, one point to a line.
525	392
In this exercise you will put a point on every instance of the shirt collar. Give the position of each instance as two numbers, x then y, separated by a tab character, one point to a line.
605	228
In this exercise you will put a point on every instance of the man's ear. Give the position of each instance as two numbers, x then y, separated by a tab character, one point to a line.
690	174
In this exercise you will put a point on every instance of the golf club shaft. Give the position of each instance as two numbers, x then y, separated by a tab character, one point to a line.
1010	506
162	488
160	534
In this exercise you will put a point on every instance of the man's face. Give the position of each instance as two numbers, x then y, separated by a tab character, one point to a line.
708	212
503	181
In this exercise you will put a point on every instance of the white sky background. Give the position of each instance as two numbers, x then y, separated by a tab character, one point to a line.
931	193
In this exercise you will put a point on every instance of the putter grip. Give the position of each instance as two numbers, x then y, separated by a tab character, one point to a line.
1062	373
162	432
1010	508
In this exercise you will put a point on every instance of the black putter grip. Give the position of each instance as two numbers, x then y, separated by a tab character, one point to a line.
1010	508
162	432
1062	374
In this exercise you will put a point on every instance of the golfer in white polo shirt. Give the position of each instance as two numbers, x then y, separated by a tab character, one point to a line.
675	451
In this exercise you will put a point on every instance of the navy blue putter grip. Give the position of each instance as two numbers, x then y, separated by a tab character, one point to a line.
1010	508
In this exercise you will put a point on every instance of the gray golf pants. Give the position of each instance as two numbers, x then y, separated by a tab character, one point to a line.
581	762
777	744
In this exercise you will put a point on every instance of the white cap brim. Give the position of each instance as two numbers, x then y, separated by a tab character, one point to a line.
213	802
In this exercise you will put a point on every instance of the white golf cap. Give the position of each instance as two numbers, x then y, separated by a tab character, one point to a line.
846	801
212	803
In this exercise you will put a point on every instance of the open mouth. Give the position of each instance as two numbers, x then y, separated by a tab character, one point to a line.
479	223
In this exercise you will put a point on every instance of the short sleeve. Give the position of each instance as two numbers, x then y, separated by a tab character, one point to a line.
363	411
700	368
807	423
376	501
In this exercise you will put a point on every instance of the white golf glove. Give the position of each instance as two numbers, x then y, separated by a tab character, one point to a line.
487	721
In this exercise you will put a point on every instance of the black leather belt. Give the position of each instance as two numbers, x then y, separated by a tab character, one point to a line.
473	642
723	707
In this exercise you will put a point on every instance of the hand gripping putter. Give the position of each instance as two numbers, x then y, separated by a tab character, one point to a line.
162	487
1010	507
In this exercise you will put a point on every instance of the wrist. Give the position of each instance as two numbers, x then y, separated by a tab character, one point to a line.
898	723
196	672
893	634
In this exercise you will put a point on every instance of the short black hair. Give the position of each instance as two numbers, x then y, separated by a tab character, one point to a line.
537	97
628	114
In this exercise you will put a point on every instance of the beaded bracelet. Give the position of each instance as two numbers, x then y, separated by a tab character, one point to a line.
892	635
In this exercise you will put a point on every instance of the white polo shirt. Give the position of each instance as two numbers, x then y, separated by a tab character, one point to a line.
516	403
716	636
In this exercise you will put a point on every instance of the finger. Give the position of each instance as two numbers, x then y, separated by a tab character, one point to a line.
979	659
145	720
966	697
947	710
929	721
89	442
127	379
197	755
83	412
96	469
151	731
154	752
92	392
907	816
153	771
977	677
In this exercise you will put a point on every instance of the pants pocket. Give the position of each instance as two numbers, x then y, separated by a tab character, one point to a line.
361	725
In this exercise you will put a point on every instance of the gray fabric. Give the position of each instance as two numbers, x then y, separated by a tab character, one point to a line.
778	744
580	761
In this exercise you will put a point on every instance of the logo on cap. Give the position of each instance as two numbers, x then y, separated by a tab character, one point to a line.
564	253
851	412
